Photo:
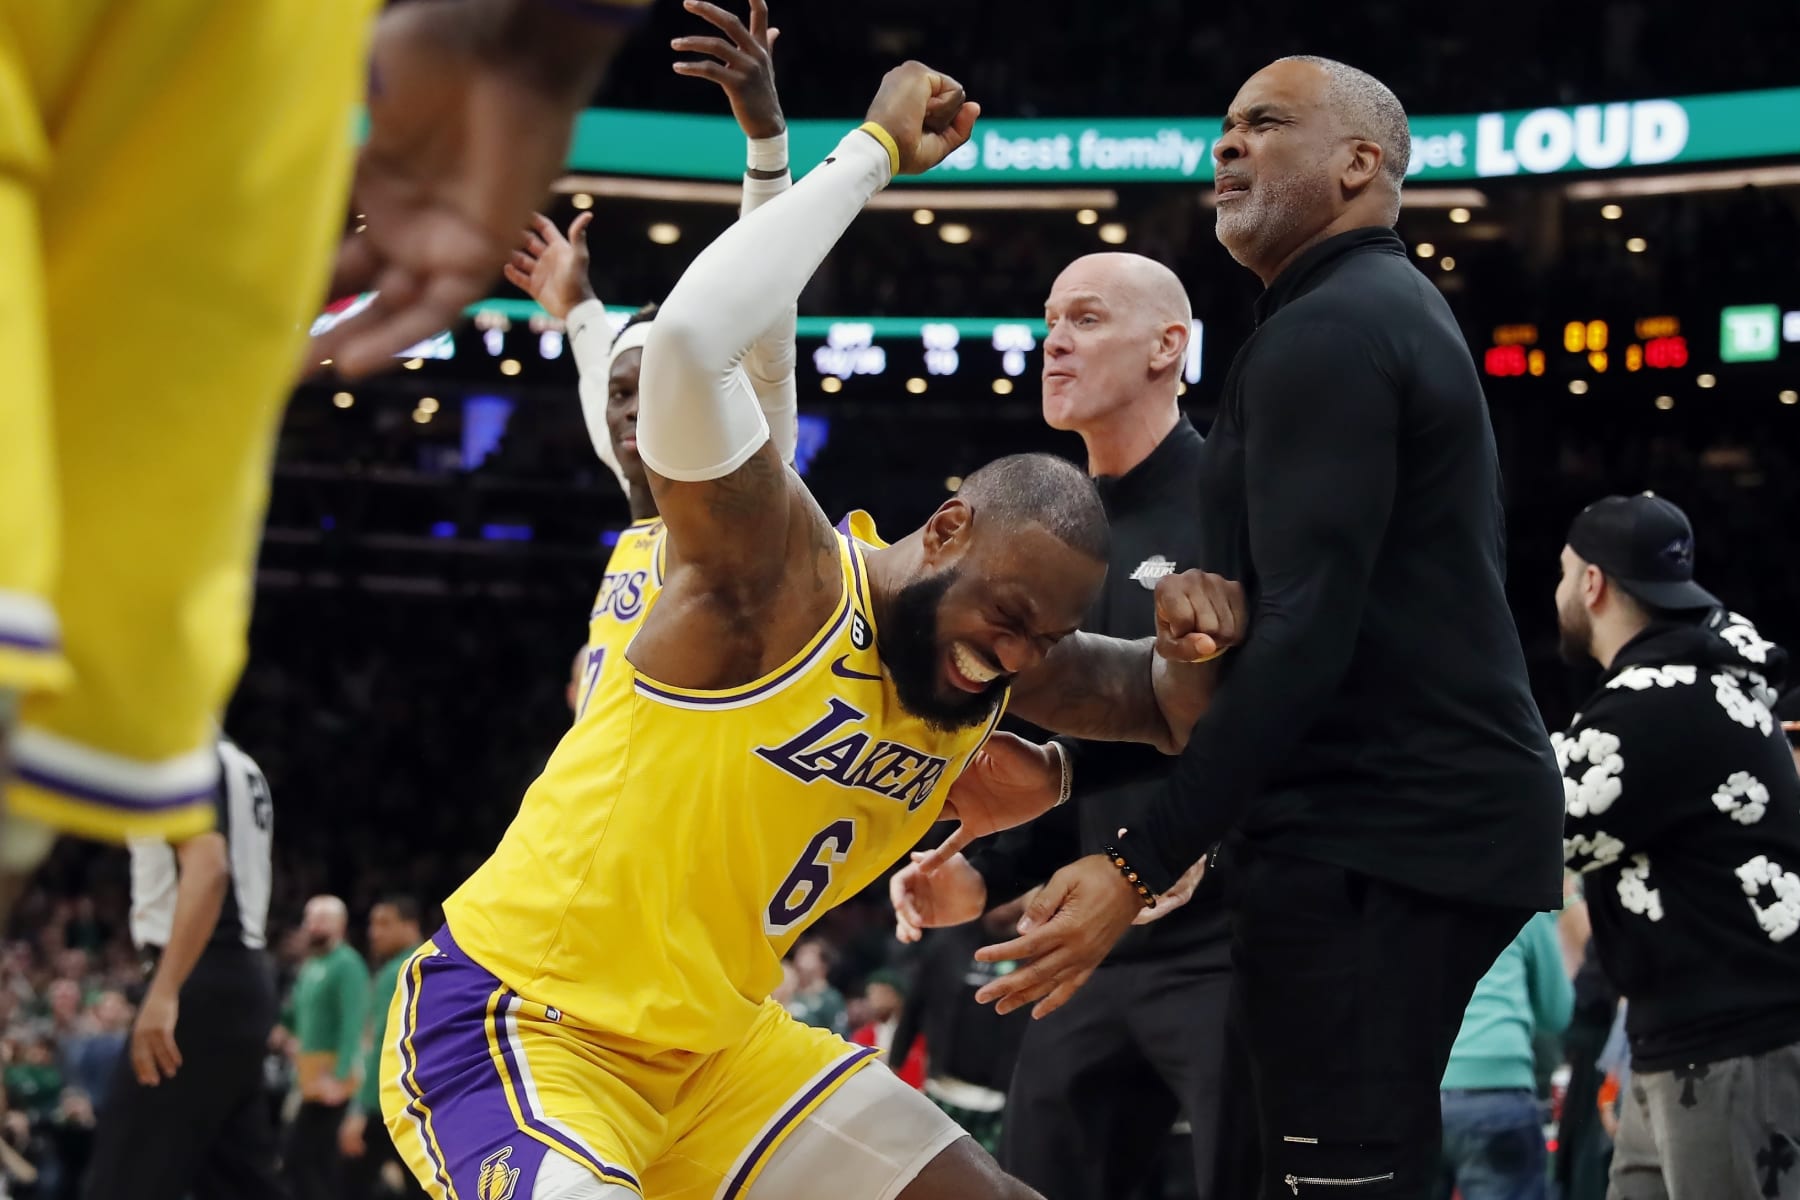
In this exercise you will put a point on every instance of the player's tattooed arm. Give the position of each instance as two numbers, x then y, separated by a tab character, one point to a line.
1150	691
1097	687
726	529
1107	689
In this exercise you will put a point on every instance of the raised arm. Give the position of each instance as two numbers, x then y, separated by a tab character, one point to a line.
740	524
719	484
742	63
554	270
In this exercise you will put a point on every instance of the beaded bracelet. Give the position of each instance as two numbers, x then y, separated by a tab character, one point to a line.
1131	877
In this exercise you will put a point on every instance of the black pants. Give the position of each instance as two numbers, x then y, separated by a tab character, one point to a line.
363	1175
1100	1082
1349	992
310	1157
204	1133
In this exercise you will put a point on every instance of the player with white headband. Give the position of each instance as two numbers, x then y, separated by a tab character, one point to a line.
553	270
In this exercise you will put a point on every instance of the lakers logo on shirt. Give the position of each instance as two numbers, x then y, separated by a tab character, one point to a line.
1152	569
497	1181
621	595
831	748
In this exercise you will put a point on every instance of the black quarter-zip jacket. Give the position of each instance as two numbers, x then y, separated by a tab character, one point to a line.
1378	716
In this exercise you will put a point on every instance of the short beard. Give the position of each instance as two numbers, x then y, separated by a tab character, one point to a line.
909	651
1263	228
1575	636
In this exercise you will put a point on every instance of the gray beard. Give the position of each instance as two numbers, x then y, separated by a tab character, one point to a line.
1255	229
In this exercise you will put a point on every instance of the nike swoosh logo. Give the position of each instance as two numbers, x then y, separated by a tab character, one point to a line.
843	672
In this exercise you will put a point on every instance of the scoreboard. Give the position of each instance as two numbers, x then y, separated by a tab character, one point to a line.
837	349
1596	347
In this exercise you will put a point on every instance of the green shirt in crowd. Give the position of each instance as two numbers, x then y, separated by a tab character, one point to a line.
34	1089
381	996
330	1002
1524	995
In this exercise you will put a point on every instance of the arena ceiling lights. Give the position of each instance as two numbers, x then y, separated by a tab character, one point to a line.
1694	181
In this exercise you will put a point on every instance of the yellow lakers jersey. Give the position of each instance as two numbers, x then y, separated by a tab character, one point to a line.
679	841
633	579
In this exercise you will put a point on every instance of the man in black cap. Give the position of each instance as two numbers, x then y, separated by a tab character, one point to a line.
1684	820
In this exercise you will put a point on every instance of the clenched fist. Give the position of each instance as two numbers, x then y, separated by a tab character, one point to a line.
1199	616
926	114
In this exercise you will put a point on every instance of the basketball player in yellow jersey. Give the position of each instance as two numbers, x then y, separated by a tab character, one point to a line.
553	269
593	1021
186	161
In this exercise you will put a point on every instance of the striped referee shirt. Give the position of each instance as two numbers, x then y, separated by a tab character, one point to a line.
246	818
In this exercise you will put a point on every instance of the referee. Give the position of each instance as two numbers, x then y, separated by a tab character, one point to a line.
1393	807
185	1115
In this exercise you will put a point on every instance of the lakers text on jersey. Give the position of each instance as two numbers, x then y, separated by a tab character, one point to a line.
632	582
603	979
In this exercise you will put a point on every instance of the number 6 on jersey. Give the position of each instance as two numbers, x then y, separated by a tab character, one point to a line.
805	885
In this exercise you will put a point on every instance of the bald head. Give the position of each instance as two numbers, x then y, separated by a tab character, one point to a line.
1117	330
1144	285
325	922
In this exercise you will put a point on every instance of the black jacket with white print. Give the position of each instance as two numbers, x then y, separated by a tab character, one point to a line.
1684	818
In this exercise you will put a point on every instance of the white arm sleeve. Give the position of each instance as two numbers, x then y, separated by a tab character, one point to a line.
771	361
698	417
590	342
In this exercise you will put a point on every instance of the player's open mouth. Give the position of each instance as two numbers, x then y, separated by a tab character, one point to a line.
628	442
1230	187
969	670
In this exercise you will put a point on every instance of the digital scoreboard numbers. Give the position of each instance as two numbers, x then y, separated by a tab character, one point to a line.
506	333
1594	347
918	347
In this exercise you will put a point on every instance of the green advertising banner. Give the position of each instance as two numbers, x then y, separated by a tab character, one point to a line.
1590	137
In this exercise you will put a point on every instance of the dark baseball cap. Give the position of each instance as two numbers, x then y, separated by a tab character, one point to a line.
1646	546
